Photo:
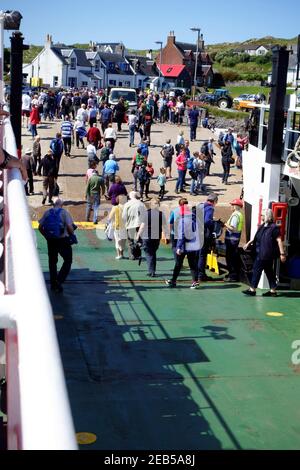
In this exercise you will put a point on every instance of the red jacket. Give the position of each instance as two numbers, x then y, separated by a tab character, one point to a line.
181	161
34	116
94	135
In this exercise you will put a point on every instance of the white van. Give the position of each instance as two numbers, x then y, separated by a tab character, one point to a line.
129	95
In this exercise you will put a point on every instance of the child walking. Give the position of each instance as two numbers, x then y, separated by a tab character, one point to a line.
161	179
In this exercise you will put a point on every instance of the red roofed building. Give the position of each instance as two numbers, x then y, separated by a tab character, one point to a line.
184	54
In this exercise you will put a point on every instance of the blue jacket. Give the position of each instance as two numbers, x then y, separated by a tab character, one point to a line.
110	167
193	117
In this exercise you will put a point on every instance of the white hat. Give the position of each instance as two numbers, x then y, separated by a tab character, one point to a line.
28	151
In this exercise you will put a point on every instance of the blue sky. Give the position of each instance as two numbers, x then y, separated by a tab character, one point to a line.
140	23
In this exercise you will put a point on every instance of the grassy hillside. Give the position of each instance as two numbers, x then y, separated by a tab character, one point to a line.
31	53
265	41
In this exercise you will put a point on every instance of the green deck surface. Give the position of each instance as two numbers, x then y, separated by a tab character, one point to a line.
149	367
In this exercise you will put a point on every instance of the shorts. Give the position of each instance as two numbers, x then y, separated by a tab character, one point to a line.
168	162
25	112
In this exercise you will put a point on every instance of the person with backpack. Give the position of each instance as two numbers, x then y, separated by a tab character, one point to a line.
57	226
167	153
188	233
105	152
208	208
57	147
137	161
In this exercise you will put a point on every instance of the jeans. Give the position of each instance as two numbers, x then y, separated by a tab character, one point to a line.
266	266
226	169
192	257
150	248
180	180
131	134
33	130
93	201
193	129
62	247
67	145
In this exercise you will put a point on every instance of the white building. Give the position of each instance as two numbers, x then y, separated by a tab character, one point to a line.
60	65
253	50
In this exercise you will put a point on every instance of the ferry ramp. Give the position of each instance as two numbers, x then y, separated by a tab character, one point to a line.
149	367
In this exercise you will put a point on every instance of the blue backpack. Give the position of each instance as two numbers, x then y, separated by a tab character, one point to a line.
190	163
53	226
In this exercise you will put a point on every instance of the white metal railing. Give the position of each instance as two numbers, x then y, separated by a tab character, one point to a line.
39	415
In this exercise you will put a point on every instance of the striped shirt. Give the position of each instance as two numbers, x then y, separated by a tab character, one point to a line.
66	129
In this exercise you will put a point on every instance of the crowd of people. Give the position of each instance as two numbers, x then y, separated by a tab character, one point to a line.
86	121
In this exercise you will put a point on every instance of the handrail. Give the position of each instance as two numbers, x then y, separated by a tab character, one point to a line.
36	385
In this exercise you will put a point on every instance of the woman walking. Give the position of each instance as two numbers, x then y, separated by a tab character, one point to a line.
268	247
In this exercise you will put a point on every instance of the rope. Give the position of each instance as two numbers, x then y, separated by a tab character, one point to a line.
293	159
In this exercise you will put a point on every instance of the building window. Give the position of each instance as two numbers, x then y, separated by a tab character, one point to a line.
140	83
84	83
55	81
97	65
127	84
73	63
72	82
112	82
120	83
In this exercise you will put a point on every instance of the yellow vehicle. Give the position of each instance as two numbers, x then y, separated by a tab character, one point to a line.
245	105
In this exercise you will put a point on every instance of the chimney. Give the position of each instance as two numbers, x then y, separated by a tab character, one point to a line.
201	43
171	38
149	54
49	42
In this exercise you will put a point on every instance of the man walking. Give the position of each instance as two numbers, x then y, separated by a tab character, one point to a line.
49	168
94	189
133	216
67	134
57	147
29	164
56	226
193	118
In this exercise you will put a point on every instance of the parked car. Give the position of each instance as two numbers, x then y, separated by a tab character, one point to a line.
242	97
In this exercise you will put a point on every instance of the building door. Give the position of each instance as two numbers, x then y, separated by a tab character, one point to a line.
72	82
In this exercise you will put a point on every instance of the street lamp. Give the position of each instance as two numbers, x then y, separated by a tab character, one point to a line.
197	50
159	42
